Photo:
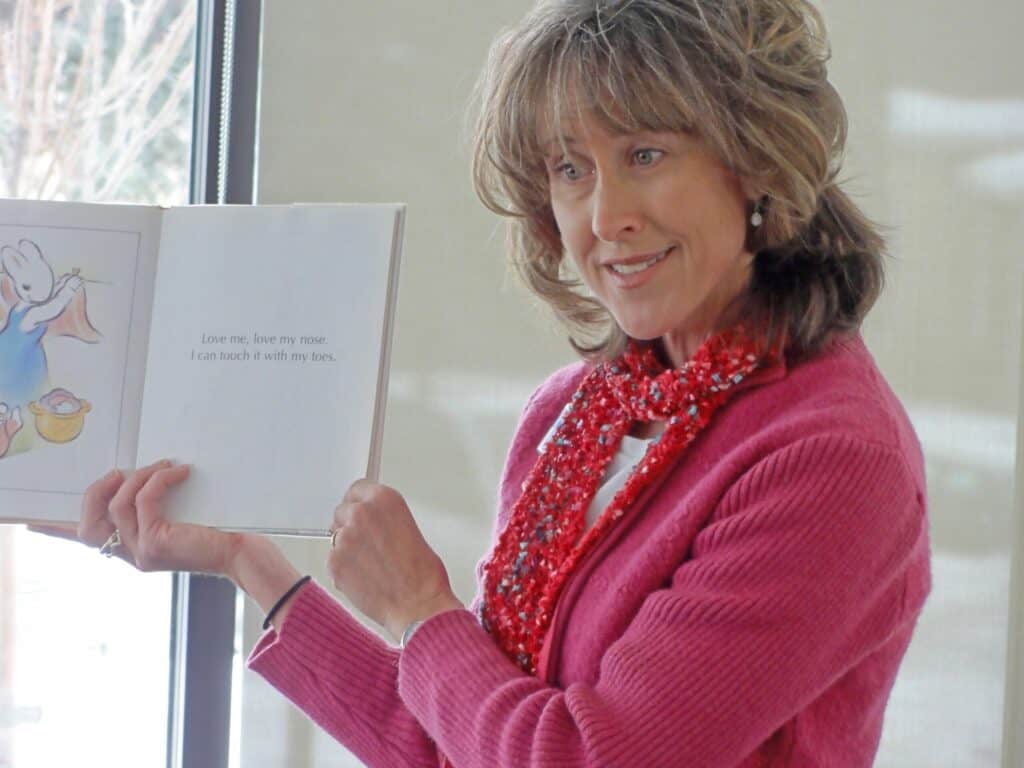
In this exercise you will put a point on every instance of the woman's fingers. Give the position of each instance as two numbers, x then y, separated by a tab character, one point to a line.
361	490
152	531
149	498
131	507
165	545
122	506
95	526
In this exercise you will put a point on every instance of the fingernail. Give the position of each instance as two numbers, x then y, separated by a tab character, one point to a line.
113	474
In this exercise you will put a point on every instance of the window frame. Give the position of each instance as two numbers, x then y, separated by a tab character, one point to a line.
1013	700
224	129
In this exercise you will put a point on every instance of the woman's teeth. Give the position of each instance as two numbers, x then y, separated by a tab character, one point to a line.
632	269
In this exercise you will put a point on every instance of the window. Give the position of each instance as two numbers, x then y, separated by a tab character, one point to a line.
96	103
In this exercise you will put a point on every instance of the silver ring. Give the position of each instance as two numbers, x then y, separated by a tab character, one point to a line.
111	544
334	537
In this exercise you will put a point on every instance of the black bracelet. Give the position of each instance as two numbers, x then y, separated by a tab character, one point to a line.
283	600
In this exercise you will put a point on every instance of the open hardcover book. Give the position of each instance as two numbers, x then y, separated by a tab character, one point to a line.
251	342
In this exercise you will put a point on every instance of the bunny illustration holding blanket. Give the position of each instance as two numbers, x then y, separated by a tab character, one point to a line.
34	306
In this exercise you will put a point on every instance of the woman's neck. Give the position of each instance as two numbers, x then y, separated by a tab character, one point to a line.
647	430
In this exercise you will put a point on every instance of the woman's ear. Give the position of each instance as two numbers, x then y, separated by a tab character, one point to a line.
752	190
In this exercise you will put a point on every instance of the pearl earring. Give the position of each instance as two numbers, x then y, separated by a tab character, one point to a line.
757	217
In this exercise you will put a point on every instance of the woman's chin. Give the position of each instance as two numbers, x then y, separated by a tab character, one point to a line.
642	331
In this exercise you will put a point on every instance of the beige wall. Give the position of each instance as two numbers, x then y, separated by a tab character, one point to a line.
369	107
364	102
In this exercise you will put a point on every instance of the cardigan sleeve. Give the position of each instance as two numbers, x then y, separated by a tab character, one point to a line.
800	573
344	678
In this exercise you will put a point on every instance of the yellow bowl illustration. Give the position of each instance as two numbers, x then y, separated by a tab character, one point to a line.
59	427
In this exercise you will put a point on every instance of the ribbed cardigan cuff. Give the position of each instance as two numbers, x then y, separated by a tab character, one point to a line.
450	646
344	677
454	678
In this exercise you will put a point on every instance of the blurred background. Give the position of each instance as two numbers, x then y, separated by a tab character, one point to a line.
366	102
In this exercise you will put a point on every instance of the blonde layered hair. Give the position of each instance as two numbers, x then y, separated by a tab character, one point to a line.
746	76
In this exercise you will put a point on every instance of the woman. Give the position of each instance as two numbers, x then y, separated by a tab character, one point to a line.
711	544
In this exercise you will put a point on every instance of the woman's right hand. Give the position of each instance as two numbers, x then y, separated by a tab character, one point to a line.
132	505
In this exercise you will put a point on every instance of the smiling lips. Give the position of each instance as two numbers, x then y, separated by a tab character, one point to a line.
637	264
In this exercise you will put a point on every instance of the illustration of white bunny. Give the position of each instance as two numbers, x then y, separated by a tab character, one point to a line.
39	301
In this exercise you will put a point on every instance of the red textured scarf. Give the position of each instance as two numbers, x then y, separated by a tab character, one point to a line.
542	543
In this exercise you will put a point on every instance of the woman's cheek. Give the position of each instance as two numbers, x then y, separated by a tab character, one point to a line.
590	272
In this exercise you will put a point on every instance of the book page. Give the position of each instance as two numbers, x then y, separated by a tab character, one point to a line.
76	286
265	364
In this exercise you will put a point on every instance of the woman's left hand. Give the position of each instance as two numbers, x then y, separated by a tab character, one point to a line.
381	562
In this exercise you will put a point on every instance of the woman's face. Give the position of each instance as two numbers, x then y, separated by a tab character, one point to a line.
656	226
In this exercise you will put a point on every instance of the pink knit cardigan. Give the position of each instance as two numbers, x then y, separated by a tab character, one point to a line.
751	609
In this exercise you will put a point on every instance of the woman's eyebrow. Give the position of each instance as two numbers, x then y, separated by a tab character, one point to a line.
551	144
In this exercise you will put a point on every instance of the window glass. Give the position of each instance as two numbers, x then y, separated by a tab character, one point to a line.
95	105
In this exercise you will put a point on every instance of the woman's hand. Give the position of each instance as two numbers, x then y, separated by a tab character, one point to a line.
150	542
132	506
381	562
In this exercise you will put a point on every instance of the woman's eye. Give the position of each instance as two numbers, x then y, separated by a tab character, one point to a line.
569	171
647	156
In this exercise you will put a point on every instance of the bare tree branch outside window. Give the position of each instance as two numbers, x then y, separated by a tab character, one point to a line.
95	99
95	105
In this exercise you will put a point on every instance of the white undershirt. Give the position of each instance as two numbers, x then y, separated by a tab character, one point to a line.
631	450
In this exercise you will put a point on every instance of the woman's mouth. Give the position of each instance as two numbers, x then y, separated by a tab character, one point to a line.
629	275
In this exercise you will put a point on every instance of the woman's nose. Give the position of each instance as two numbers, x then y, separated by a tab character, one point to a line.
616	210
